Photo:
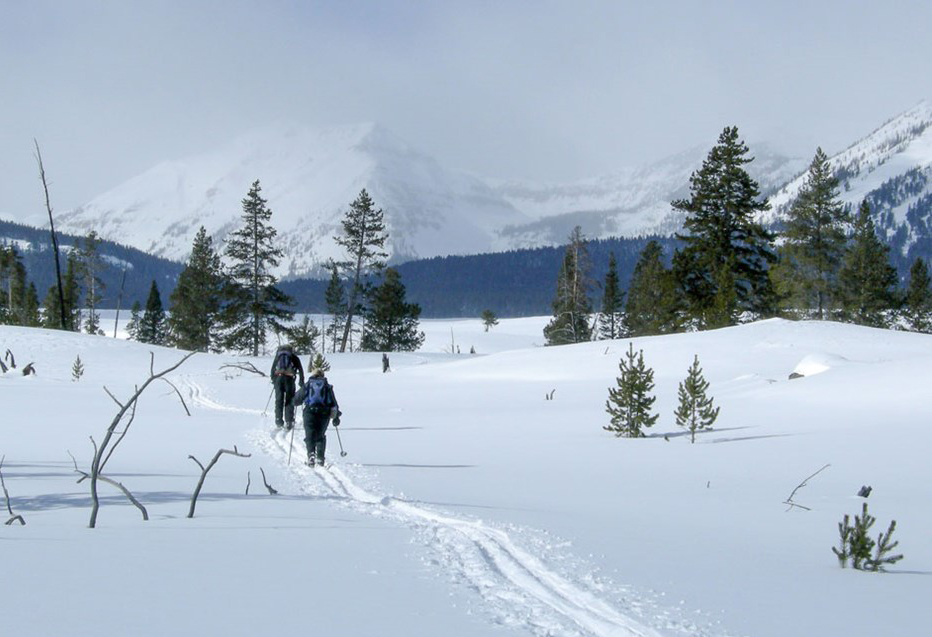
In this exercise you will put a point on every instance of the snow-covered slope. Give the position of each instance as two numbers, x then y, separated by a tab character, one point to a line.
309	178
892	169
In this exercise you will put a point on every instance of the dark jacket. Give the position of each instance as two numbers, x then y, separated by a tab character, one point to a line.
298	369
330	397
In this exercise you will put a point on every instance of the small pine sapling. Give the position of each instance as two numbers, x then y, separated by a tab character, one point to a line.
695	410
77	369
319	362
629	403
856	544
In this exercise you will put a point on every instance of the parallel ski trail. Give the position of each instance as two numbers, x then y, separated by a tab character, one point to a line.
518	584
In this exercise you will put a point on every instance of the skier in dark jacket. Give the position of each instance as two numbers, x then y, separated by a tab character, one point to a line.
285	366
320	405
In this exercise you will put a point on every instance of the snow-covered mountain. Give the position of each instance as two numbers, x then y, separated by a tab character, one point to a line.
629	202
309	178
892	169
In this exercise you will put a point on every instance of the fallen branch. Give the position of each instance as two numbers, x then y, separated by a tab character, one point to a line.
789	500
29	369
13	517
9	356
266	483
204	470
246	367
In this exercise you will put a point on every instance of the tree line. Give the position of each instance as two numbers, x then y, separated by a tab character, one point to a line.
229	299
826	263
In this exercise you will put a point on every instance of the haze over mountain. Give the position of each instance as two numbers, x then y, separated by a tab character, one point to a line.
309	177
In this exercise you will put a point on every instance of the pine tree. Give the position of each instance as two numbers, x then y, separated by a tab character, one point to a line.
363	239
90	266
867	281
630	402
303	336
152	325
723	242
196	301
651	304
336	307
31	317
815	238
391	322
611	319
132	328
77	369
695	410
571	306
254	301
71	291
917	303
12	287
489	320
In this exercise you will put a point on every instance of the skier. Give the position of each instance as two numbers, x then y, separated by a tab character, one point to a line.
284	367
385	366
320	405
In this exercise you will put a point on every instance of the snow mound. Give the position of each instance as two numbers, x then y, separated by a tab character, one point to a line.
813	364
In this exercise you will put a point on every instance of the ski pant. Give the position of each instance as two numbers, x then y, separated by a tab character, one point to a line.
315	431
284	393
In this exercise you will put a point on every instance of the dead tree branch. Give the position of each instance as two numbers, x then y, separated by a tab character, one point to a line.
29	369
13	516
205	470
246	367
105	450
3	367
248	481
268	486
180	397
9	356
789	500
48	206
119	485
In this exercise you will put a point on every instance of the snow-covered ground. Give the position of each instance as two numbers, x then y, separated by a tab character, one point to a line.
467	503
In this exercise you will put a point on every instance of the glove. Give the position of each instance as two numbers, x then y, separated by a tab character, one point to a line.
336	421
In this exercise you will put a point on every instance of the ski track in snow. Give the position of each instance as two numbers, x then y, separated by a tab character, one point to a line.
519	587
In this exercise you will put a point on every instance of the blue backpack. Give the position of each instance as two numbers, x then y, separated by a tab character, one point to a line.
318	394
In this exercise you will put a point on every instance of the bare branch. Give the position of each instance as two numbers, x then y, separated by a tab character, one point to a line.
119	404
13	517
789	500
266	483
9	356
246	367
248	481
204	471
180	397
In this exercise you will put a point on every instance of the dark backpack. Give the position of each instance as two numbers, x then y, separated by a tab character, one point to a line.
283	364
318	394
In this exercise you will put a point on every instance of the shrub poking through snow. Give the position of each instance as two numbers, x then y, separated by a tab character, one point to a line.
857	545
77	369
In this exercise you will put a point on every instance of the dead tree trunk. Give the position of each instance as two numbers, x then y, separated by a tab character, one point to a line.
13	517
204	470
48	206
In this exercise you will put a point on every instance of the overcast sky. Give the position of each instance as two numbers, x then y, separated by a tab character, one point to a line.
508	89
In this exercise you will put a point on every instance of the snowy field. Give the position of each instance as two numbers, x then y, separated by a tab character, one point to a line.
467	503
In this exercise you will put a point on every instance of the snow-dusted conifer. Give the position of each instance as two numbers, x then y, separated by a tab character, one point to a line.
695	410
629	403
611	318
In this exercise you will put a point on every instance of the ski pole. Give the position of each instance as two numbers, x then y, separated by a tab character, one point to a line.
291	445
268	402
337	429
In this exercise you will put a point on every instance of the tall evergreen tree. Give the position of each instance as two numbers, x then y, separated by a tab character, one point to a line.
71	292
196	301
724	245
867	280
629	403
132	327
611	319
815	238
12	287
90	267
571	306
391	322
335	300
254	303
695	410
152	325
363	239
31	317
917	303
651	304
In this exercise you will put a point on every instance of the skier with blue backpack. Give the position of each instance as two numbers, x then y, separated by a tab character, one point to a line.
285	366
320	406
